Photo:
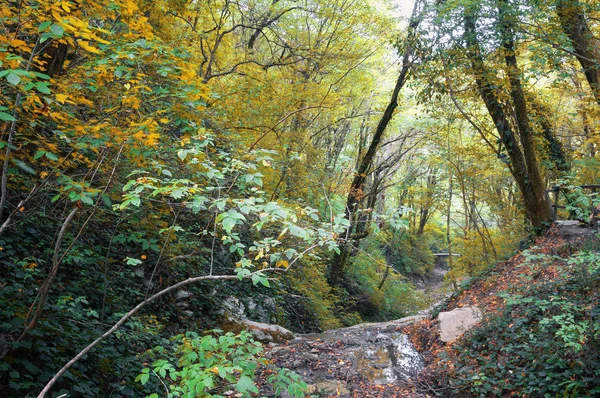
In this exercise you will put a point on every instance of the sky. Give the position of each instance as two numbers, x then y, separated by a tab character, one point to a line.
404	6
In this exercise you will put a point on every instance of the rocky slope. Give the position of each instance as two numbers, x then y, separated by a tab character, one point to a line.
400	358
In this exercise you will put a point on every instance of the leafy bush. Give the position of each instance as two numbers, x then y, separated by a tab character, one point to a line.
407	253
209	366
308	279
390	294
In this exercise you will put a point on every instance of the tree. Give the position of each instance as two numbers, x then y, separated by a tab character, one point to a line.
356	190
519	142
586	45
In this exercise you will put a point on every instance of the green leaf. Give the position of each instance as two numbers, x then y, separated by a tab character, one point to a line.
178	193
182	154
228	224
42	87
87	200
24	166
13	78
5	117
41	75
243	384
106	200
135	201
44	25
38	155
52	156
58	31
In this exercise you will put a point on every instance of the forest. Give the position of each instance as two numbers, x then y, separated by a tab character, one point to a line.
168	164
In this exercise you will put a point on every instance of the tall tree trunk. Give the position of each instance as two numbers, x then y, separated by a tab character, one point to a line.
585	120
529	181
586	46
540	211
355	193
556	152
425	212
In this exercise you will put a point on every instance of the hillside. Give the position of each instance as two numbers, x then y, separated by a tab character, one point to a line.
539	336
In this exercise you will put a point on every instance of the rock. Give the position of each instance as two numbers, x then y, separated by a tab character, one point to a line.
333	387
280	349
182	294
263	332
262	310
454	323
310	356
260	335
388	326
233	307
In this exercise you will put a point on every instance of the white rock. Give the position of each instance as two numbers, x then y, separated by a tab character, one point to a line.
454	323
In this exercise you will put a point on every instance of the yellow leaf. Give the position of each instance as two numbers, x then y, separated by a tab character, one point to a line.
282	234
86	46
62	98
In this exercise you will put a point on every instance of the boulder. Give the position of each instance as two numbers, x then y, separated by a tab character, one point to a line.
454	323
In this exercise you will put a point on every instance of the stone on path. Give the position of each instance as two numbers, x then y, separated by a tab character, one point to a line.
454	323
333	388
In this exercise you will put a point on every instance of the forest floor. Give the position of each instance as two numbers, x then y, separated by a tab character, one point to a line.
378	360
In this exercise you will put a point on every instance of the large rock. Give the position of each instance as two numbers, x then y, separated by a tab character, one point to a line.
454	323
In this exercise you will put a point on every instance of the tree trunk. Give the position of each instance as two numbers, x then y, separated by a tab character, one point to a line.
586	46
539	208
529	181
355	193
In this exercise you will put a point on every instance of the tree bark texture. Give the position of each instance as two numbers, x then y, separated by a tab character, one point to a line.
585	44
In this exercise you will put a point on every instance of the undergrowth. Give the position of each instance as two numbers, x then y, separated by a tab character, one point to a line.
544	343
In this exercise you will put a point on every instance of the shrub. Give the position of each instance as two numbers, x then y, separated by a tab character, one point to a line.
210	365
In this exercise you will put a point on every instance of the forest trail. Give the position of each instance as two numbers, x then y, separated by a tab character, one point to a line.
395	358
